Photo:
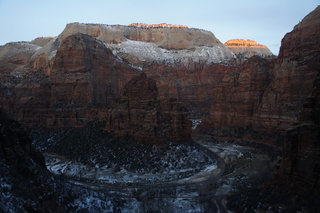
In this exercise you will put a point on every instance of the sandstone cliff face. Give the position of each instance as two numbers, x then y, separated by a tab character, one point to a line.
244	49
193	85
301	152
84	76
237	98
140	113
294	73
66	81
267	97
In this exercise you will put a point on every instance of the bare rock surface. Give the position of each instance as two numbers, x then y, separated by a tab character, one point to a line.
141	113
244	49
267	95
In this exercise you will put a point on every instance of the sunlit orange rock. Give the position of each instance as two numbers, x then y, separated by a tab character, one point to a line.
244	49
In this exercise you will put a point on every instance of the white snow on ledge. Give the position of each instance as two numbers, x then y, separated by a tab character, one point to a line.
147	51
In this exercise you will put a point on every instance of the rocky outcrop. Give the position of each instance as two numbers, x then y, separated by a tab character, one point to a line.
244	49
140	113
41	41
267	97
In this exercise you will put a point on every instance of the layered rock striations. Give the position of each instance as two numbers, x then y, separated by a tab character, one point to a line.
244	49
81	80
294	73
142	114
67	80
300	165
267	94
237	98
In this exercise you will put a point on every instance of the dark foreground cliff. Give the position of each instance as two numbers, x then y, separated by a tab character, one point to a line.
26	185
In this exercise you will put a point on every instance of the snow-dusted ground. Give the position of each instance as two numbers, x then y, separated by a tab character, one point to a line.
14	48
195	123
60	166
147	51
179	190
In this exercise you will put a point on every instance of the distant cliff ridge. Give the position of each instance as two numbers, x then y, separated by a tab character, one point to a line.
157	25
172	44
247	48
243	43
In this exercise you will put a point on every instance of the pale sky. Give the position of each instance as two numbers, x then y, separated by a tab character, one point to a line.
265	21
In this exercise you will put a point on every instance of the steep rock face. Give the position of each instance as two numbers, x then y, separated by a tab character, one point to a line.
85	76
244	49
236	100
84	79
294	74
267	97
193	85
140	113
301	152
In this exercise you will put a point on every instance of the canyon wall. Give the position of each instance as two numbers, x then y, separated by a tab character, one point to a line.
68	80
142	114
300	163
267	94
300	167
83	78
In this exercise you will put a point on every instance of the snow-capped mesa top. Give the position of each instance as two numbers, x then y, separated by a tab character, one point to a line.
163	43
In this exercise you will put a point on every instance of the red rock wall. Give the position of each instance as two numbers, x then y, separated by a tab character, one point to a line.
84	79
300	165
267	97
140	113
